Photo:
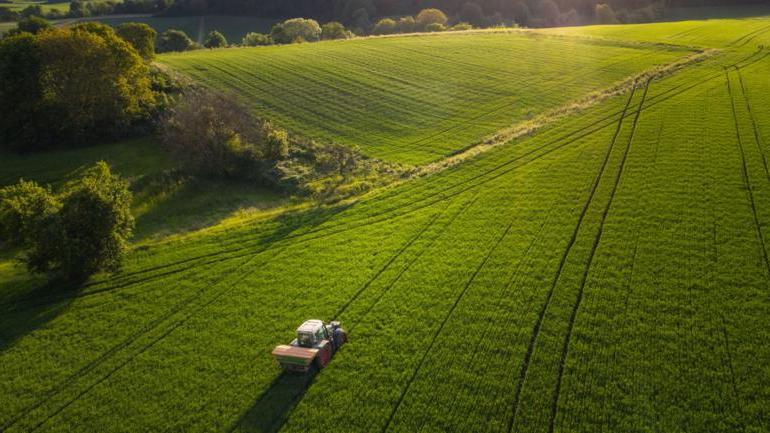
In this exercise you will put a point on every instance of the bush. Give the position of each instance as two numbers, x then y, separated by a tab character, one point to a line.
68	86
427	17
215	40
334	30
461	26
256	39
296	30
605	14
435	27
174	40
405	25
385	26
140	36
75	234
211	134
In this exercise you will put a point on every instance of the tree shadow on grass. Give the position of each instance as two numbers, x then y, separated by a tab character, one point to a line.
271	409
18	322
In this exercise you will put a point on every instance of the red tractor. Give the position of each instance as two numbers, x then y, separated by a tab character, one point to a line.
313	348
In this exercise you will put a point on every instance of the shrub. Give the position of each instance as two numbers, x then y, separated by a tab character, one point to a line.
334	30
140	36
174	40
211	134
605	14
296	29
72	85
215	40
71	236
405	25
461	26
385	26
276	144
427	17
256	39
435	27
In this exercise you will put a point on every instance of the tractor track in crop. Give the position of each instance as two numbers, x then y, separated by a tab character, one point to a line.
562	262
757	136
109	354
441	326
387	265
587	269
746	179
745	39
413	261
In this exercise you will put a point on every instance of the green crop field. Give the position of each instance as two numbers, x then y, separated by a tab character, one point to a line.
417	99
607	272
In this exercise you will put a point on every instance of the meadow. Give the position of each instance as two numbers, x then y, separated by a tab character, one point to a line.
607	272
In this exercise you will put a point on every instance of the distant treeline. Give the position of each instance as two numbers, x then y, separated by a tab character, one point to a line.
539	12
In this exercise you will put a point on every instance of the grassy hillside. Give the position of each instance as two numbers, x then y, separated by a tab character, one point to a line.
607	273
416	99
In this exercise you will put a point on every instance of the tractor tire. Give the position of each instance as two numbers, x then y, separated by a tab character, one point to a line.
340	337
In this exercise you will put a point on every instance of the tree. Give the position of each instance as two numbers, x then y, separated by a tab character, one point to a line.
74	85
255	39
174	40
360	21
33	24
78	9
215	40
384	26
276	144
430	16
71	236
405	25
521	13
140	36
29	11
296	29
604	14
472	13
549	12
334	30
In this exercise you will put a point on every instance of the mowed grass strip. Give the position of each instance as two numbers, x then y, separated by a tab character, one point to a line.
415	99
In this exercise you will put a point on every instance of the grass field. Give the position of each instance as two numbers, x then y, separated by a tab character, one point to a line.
417	99
609	272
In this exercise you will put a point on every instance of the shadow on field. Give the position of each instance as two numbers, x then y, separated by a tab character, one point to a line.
271	409
15	323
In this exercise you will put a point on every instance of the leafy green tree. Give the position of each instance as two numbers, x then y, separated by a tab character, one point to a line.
360	21
73	85
255	39
427	17
24	208
549	12
296	29
33	24
174	40
7	14
82	231
334	30
78	9
215	40
140	36
385	26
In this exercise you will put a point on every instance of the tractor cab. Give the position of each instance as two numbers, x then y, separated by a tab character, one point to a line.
310	334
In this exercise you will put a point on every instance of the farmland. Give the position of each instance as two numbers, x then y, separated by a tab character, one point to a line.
414	100
607	272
